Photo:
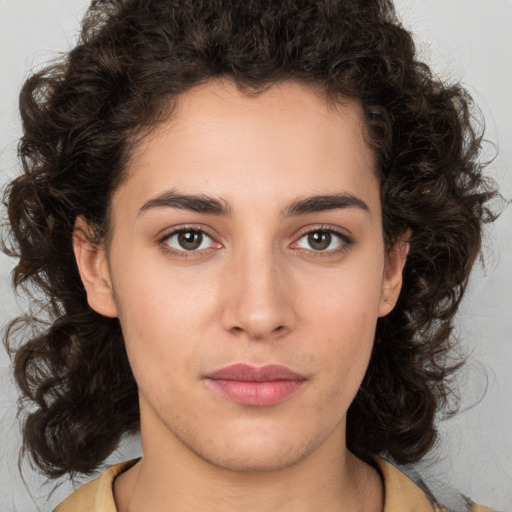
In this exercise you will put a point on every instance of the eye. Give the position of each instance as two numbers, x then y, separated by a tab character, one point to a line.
188	240
322	240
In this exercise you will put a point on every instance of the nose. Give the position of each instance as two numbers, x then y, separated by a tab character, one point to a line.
258	297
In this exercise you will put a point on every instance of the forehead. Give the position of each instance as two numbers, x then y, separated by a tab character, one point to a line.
285	142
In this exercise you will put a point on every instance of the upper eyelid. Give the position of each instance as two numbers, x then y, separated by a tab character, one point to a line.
168	232
163	241
346	241
322	227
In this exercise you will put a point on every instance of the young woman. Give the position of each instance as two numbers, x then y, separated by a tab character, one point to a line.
253	223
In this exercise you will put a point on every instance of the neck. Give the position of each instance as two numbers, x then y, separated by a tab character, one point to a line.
172	477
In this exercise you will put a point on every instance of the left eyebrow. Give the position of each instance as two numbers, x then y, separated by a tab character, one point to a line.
323	203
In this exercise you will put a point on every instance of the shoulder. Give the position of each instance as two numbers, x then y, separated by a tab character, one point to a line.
403	494
97	495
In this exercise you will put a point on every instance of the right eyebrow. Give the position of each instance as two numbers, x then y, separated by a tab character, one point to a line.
195	203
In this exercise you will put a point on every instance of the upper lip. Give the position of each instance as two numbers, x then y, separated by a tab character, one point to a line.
248	373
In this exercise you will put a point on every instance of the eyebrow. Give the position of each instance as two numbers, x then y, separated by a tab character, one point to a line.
195	203
213	206
323	203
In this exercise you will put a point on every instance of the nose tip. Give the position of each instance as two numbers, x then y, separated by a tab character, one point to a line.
259	302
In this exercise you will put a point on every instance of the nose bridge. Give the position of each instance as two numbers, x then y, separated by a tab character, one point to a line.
258	301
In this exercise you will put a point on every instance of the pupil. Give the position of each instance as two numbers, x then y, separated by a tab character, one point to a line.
190	240
319	240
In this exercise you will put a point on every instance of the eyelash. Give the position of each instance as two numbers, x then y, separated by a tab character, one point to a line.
183	253
344	242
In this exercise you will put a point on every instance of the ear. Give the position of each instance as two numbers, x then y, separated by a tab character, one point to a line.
92	263
392	281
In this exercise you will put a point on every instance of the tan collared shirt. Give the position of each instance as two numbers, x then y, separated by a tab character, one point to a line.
401	493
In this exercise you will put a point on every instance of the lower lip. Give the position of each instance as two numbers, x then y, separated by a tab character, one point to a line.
256	393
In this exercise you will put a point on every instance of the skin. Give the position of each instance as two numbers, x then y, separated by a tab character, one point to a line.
256	291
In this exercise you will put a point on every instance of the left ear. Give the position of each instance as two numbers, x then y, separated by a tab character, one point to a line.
392	280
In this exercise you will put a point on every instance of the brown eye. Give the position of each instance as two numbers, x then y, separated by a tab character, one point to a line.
323	240
190	240
319	240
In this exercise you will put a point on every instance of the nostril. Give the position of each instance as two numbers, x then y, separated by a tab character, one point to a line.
276	332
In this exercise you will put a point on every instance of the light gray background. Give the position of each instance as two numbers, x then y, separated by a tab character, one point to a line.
468	40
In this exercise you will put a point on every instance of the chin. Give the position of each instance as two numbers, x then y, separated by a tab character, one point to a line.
252	456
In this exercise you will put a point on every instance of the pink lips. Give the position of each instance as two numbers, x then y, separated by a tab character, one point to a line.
257	386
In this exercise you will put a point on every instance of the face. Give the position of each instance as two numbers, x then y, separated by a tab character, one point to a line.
248	231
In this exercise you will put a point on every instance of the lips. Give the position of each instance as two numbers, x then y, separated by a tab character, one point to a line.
245	372
256	386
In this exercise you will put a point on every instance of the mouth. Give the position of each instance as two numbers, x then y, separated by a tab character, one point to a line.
256	386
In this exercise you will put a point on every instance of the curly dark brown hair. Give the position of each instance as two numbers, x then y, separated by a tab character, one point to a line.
84	115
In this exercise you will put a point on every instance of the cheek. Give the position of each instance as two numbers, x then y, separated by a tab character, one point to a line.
342	317
344	358
162	318
344	304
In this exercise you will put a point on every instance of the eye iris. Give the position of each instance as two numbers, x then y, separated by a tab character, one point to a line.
190	240
319	240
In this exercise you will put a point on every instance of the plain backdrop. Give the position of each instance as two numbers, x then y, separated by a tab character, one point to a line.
462	40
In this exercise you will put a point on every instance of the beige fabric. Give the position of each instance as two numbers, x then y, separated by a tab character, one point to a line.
96	496
401	493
